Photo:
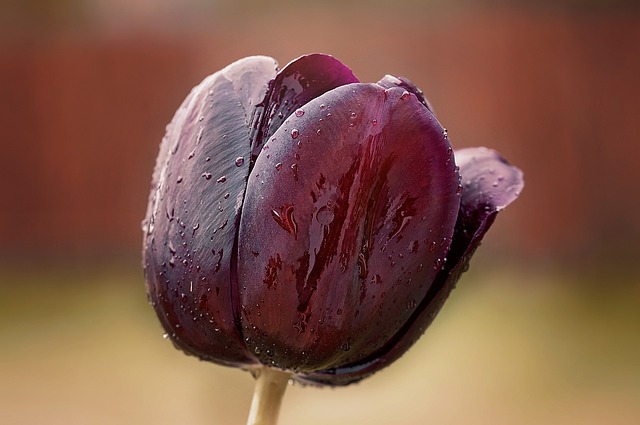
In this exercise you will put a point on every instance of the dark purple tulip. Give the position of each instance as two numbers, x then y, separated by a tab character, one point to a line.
302	220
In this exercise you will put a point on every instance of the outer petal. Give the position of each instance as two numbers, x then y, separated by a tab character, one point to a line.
192	218
389	81
490	184
302	80
348	214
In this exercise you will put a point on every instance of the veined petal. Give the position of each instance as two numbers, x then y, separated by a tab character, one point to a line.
490	184
193	213
300	81
348	215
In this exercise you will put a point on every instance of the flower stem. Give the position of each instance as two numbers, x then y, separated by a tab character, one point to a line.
267	396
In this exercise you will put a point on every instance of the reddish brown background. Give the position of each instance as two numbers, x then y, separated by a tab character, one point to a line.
83	105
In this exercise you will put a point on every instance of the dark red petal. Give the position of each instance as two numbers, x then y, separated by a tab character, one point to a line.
389	81
349	212
193	211
300	81
490	184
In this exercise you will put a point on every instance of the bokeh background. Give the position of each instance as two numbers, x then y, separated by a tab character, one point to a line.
545	328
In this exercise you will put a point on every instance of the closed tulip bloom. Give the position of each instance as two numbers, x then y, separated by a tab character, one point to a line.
304	221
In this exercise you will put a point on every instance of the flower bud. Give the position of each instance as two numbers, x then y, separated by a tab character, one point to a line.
302	220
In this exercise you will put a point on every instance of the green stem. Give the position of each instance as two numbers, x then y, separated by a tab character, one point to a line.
267	396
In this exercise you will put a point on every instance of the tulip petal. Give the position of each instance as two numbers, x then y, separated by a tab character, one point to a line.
300	81
348	214
191	224
490	184
389	81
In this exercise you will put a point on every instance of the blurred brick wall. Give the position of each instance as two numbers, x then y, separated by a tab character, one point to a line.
82	115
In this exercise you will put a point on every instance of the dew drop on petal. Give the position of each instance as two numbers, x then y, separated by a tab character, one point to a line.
239	161
299	112
285	218
324	215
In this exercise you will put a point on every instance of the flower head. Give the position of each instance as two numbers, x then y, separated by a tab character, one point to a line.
302	220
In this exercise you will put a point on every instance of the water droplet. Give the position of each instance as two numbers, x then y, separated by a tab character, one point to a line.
299	112
222	179
325	215
207	159
285	218
354	115
346	346
411	304
374	121
405	95
179	180
294	133
278	166
437	264
323	106
206	176
175	147
362	266
294	169
226	195
239	161
165	335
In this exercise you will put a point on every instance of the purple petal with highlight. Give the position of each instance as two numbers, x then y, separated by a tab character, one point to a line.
339	228
300	81
191	222
490	184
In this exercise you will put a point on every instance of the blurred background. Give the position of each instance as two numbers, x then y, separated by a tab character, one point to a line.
545	328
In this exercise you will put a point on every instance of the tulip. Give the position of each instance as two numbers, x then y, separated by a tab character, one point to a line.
307	226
